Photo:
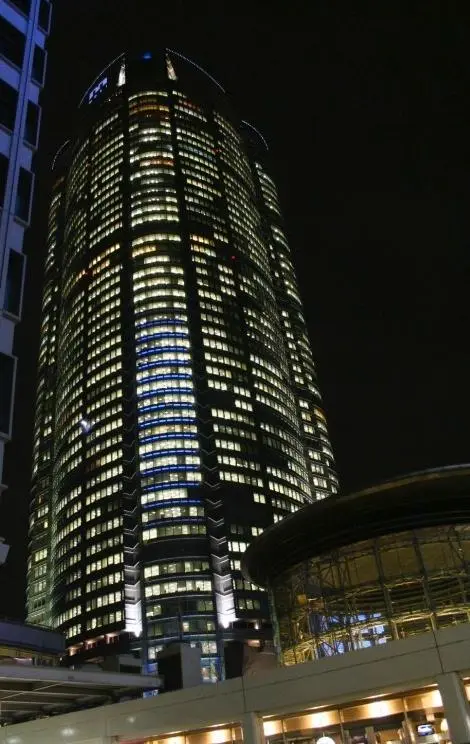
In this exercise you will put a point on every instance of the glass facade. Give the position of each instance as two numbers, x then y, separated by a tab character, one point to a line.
370	592
177	411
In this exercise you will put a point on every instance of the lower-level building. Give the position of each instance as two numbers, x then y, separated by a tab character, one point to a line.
359	570
33	645
413	691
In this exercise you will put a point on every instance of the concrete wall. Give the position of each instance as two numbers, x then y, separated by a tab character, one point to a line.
397	666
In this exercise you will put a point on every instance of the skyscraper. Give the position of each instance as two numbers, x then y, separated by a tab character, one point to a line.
24	26
178	413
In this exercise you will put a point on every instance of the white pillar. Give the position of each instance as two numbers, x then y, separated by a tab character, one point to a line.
253	732
456	707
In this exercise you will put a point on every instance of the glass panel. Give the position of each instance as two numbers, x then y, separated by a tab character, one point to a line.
32	123
7	368
44	15
399	561
12	42
23	5
23	194
8	101
39	60
371	592
14	283
3	176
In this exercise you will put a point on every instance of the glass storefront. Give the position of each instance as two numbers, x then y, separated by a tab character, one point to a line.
416	717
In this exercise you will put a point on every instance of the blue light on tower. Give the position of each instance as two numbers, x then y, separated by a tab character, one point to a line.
147	55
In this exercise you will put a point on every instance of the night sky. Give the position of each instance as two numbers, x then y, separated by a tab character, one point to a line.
367	118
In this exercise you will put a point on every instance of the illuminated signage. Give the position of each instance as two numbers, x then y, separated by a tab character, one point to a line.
99	87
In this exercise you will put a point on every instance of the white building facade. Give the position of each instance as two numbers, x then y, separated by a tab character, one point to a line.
24	26
410	691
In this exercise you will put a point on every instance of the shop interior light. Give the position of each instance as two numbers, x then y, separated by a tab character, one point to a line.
325	740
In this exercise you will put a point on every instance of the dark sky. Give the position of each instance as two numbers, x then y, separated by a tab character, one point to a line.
367	117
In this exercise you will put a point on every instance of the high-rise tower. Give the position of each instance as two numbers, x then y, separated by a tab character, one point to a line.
178	413
24	25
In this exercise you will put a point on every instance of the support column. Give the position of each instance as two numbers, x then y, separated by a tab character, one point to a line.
456	707
408	733
252	725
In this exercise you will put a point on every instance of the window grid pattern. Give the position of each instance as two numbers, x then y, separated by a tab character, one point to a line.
39	588
24	33
172	506
176	434
317	447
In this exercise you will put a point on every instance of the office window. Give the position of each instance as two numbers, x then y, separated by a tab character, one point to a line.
32	124
8	101
23	5
23	194
7	368
44	15
3	177
12	42
39	60
14	283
